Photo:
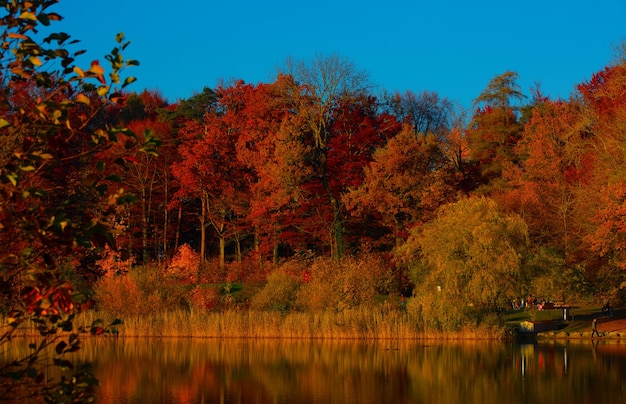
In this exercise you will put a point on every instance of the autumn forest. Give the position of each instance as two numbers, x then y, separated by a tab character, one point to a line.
312	164
310	179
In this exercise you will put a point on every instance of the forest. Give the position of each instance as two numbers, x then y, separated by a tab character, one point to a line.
522	196
309	206
308	182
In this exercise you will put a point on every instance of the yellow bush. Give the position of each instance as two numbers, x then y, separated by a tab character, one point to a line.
279	293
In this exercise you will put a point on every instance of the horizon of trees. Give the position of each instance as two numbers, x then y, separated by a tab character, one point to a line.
313	162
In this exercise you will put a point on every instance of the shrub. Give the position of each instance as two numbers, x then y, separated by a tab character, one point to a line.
204	297
338	286
143	290
184	264
279	292
118	295
111	263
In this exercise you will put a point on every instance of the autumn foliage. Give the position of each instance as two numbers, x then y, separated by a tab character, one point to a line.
380	194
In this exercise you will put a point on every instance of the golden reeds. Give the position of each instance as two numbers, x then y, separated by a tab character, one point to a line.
366	323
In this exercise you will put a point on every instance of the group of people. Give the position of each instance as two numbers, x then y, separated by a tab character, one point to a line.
530	302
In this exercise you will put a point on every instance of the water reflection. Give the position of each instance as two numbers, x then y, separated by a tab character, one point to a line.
278	371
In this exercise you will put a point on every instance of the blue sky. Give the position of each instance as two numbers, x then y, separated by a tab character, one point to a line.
451	47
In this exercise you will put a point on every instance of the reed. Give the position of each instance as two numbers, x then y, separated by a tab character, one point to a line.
365	323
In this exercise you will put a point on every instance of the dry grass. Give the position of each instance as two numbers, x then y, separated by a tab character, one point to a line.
365	323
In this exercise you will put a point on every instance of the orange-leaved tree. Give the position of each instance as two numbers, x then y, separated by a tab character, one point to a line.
407	181
605	126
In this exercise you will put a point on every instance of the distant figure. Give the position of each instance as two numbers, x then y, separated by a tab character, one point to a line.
607	308
594	330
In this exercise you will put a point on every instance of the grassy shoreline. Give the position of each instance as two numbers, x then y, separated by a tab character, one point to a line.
358	323
361	323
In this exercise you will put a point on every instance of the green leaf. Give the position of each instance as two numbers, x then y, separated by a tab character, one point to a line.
44	19
59	37
67	326
4	123
128	81
12	178
26	252
60	347
63	364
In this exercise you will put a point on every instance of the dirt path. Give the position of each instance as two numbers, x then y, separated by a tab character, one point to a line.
617	323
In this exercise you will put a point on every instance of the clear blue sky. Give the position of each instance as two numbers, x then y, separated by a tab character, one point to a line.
451	47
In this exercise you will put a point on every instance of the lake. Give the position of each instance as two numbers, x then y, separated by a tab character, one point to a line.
285	371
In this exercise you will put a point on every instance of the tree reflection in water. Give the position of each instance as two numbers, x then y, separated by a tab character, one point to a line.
286	371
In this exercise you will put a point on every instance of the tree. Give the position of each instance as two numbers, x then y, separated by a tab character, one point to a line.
266	150
469	258
495	128
543	184
194	107
407	181
208	171
50	122
323	84
146	174
326	80
426	112
604	176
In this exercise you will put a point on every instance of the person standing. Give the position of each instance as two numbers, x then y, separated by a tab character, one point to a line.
594	330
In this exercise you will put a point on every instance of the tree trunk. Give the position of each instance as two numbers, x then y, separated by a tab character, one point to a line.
275	254
178	221
338	242
165	220
222	250
257	246
203	231
238	255
144	228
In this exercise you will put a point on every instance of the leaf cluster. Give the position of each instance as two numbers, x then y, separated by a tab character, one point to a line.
55	191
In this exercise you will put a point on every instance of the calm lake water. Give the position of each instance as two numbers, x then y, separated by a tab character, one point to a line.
279	371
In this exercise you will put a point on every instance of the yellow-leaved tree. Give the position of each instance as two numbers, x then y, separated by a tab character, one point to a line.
466	263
